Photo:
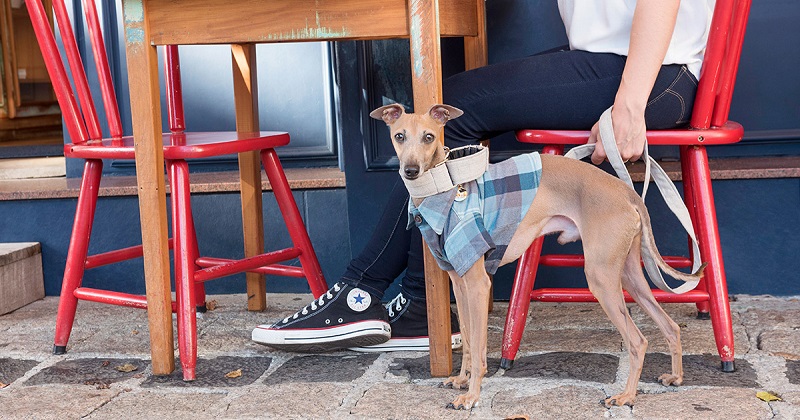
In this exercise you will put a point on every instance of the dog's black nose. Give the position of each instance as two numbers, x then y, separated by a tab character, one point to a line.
411	171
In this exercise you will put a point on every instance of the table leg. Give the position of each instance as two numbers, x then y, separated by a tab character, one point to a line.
245	91
146	116
426	77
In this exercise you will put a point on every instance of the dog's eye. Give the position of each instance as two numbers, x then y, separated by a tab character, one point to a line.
429	137
399	137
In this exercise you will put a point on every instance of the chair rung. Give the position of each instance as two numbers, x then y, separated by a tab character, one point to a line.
270	270
111	298
574	260
117	255
219	267
584	295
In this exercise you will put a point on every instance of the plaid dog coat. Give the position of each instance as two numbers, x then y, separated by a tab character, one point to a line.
459	232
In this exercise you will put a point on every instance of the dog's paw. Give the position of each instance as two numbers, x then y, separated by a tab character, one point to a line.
464	402
456	382
668	379
618	400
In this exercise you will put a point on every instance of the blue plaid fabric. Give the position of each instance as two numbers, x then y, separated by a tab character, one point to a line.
460	232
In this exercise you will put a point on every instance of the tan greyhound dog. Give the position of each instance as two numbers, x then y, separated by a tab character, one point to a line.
576	199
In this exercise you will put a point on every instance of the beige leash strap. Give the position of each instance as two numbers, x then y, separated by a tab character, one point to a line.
665	186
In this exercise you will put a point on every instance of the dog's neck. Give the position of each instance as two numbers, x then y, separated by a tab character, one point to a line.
458	166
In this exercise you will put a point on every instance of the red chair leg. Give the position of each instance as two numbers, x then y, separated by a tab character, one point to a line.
76	255
294	223
688	198
520	302
711	253
185	257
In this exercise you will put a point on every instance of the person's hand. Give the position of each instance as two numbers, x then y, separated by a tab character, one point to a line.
629	131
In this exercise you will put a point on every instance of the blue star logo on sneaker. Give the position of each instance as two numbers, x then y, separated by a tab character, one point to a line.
358	300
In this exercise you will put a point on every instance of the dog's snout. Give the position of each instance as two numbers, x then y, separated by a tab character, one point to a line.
411	171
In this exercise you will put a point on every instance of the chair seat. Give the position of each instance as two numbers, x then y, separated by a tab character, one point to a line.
729	133
182	145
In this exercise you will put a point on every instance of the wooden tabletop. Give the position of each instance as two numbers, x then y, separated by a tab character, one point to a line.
243	23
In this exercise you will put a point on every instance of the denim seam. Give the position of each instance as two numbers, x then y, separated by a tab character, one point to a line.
674	82
683	105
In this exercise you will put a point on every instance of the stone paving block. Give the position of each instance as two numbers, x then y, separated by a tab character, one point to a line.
588	340
781	343
212	373
13	369
703	370
295	400
696	338
715	403
592	367
408	401
322	368
157	405
777	315
56	402
789	408
793	371
94	371
418	368
564	402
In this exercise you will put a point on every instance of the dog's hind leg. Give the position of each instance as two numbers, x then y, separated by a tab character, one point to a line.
605	284
635	283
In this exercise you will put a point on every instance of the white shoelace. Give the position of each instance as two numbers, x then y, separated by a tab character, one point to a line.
396	304
315	304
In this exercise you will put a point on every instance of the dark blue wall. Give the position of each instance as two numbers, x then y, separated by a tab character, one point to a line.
219	224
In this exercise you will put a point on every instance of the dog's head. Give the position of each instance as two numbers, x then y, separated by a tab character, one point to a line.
414	136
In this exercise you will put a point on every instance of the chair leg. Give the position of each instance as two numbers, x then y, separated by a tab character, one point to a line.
294	223
688	198
711	253
520	302
78	250
185	257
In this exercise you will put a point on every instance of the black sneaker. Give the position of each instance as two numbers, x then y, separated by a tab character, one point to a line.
343	317
409	321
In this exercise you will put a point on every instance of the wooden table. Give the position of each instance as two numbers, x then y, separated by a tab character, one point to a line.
243	24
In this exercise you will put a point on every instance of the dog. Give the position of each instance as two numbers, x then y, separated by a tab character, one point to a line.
576	200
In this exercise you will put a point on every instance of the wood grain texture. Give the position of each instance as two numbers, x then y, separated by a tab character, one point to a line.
146	117
216	22
245	92
476	49
426	80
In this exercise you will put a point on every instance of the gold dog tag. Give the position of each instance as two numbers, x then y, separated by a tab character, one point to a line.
461	194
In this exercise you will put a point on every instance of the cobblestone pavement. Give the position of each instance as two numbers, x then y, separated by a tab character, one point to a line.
570	359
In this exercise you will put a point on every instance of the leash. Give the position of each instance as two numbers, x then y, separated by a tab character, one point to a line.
664	185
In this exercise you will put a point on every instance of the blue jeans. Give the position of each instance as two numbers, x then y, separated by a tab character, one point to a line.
557	89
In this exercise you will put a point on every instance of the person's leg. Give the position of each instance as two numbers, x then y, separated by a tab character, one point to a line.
385	255
559	90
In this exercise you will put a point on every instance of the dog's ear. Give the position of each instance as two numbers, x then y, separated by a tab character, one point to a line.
444	113
388	113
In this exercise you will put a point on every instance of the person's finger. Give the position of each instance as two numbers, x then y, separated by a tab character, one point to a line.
599	154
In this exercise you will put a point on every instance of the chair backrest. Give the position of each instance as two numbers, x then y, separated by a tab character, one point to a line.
715	89
79	112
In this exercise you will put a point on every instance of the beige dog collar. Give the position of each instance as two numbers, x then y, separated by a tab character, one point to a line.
462	164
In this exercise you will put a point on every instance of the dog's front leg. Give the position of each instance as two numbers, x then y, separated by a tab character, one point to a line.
462	380
473	303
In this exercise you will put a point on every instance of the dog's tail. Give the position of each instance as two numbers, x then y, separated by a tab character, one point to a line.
648	240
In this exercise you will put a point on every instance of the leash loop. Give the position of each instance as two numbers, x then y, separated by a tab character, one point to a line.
665	186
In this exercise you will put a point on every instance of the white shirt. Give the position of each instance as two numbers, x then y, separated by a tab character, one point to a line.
604	26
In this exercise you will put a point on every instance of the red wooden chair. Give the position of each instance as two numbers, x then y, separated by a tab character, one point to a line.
191	270
709	126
